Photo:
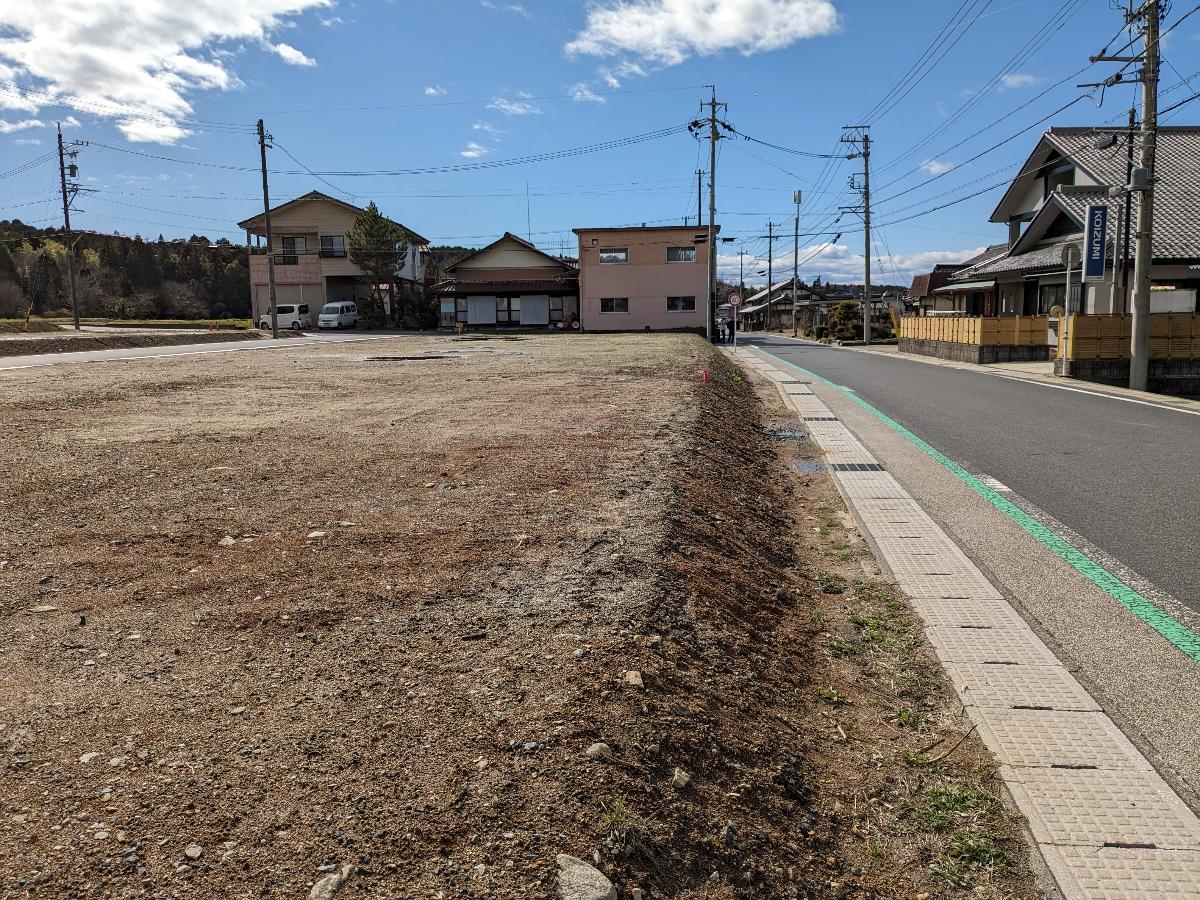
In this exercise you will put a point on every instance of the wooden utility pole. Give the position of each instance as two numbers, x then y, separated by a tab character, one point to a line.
262	153
797	196
1143	182
66	204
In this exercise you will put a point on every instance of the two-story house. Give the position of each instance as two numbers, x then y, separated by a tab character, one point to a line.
312	259
643	279
1045	207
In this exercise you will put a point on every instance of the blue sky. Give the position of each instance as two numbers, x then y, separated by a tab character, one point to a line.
372	86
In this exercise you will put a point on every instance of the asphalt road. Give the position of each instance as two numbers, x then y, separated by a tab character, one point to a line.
1125	476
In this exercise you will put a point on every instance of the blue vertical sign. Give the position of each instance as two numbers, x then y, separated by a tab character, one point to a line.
1095	243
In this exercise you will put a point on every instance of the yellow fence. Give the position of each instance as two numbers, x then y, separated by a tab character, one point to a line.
1172	336
1020	331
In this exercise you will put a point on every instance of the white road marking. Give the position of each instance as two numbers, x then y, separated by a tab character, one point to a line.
995	485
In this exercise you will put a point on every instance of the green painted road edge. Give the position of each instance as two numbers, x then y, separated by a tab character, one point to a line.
1171	629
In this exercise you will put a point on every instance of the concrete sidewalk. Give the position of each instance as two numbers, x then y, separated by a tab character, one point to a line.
1107	824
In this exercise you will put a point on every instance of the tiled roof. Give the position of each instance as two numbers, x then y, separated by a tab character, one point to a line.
1045	257
1177	168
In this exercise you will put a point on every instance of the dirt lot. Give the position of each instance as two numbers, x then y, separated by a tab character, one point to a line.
65	341
269	614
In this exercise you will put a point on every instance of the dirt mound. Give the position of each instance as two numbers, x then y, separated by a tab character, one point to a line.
71	342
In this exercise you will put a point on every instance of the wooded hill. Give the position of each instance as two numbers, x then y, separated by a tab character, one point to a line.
121	277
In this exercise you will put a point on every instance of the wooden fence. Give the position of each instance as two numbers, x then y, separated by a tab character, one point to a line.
1015	331
1172	336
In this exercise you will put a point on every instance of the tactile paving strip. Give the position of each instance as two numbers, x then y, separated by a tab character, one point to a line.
960	612
1044	737
1112	873
1006	687
1097	827
995	646
1100	807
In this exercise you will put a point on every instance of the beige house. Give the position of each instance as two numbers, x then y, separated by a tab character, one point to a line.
312	263
643	279
510	284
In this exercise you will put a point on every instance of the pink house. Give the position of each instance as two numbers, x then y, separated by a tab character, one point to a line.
643	279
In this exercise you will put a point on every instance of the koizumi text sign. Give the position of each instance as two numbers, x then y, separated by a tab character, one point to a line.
1095	243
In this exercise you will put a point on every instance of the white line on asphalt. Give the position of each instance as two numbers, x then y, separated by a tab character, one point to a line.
995	485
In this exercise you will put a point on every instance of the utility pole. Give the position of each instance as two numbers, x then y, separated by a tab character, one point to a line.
1128	212
1139	351
66	204
713	137
797	196
742	273
770	268
862	138
262	153
699	197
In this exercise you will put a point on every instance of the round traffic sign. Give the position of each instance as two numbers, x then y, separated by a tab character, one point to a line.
735	299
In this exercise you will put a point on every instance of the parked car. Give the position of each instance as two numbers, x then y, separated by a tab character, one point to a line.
290	315
342	314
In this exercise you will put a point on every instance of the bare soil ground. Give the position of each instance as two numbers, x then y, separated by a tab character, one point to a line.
64	341
267	614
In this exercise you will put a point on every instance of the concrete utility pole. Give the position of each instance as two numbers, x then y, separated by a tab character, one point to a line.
862	137
1128	212
62	178
797	196
742	273
699	197
262	153
1139	351
713	137
770	268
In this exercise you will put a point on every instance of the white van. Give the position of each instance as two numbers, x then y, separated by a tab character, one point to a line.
290	315
342	314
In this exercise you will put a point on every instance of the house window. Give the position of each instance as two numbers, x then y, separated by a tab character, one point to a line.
508	309
681	304
614	304
333	246
460	309
556	309
292	248
681	254
614	256
1051	295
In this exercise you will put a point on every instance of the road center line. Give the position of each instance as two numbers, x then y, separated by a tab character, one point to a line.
1166	625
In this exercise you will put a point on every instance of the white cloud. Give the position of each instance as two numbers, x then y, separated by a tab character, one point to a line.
667	32
475	151
21	125
841	265
1018	80
508	7
139	60
936	166
625	69
487	128
515	107
434	90
581	93
292	56
28	141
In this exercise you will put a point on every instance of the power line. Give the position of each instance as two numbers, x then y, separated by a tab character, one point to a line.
615	144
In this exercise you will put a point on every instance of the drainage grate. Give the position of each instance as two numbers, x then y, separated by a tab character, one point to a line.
820	419
794	382
856	467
